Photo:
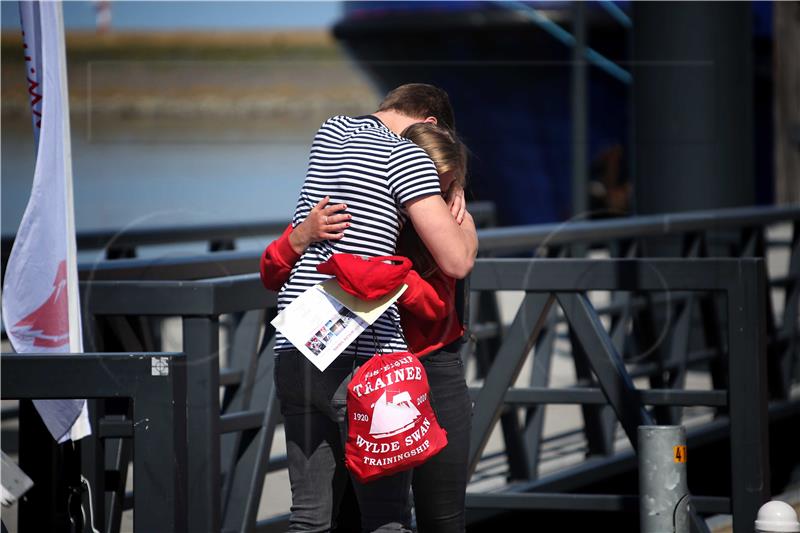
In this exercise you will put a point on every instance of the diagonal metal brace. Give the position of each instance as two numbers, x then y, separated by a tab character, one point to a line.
606	362
504	370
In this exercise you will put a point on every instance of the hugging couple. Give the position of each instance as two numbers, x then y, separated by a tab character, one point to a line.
389	183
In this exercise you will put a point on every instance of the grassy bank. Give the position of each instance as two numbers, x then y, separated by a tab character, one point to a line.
303	74
89	46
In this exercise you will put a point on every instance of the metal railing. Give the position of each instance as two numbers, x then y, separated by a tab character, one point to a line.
115	312
201	303
565	282
155	386
124	243
126	315
739	232
715	233
625	232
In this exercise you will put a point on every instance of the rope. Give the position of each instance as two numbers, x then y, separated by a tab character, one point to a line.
88	487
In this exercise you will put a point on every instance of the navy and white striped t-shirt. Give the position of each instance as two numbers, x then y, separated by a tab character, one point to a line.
361	163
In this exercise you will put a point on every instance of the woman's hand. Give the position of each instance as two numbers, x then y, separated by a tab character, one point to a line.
324	222
456	202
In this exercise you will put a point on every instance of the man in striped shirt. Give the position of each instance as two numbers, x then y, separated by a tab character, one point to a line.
384	180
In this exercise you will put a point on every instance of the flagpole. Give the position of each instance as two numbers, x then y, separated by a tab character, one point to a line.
75	334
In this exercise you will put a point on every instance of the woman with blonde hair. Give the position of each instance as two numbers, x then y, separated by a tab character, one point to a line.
439	485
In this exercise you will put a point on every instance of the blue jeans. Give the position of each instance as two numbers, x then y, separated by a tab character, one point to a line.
313	407
440	484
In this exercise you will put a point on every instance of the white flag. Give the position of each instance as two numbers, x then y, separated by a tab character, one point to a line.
41	312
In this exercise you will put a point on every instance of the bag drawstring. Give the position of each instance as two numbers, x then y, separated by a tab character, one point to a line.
376	343
355	358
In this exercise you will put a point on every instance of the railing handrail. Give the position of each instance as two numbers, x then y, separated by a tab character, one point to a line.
508	238
170	234
491	238
518	237
169	297
202	266
245	291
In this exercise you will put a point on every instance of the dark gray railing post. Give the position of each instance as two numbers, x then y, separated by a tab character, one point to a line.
747	395
201	346
165	450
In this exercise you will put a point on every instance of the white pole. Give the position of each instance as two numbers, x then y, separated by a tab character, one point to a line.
75	334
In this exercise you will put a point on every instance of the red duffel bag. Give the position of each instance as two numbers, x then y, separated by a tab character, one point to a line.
391	424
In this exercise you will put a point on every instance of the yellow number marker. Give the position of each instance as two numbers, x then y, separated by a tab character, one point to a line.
679	454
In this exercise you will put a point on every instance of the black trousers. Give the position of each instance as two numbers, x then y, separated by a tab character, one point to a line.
440	484
313	406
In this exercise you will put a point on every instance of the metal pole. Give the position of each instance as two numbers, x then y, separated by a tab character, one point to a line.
580	140
201	346
748	394
663	491
693	105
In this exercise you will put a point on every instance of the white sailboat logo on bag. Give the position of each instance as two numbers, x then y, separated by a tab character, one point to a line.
392	418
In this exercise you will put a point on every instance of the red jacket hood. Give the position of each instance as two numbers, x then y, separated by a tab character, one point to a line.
368	278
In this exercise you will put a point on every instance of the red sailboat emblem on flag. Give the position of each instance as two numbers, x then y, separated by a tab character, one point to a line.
48	325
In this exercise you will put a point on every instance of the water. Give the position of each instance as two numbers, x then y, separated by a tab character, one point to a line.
162	143
122	181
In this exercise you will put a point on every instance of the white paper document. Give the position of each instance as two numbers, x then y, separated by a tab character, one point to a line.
325	320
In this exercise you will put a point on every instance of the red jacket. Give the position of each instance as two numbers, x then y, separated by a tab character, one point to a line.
427	307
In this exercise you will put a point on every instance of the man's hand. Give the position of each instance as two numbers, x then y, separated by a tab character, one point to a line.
324	222
456	202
